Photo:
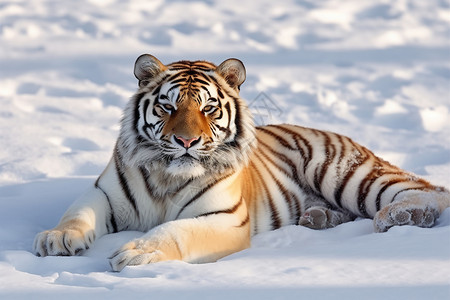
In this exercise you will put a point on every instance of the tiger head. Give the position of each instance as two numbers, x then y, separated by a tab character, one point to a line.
187	118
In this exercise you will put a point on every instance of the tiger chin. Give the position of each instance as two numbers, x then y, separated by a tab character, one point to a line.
193	173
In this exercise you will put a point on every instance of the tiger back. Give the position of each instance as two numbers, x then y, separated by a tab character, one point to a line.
192	171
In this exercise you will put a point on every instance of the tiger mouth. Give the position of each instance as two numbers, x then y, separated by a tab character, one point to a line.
186	166
186	159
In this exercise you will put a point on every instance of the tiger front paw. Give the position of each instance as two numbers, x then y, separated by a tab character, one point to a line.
137	252
63	241
402	213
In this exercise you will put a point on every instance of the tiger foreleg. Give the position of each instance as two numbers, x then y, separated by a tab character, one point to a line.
318	217
77	230
203	239
420	208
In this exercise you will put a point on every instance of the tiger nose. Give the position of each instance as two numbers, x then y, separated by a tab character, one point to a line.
186	143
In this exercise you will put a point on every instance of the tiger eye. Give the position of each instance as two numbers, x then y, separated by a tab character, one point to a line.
168	106
209	109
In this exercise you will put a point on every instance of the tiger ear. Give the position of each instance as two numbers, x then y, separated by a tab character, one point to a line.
233	71
146	68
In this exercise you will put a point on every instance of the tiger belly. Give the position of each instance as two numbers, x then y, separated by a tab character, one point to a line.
297	170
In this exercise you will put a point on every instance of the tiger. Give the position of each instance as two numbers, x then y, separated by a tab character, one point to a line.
194	174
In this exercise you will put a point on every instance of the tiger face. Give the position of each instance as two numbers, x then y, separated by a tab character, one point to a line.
187	118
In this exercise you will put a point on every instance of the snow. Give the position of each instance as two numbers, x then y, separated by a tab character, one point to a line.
378	71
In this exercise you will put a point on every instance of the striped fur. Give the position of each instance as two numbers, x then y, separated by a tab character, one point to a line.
192	171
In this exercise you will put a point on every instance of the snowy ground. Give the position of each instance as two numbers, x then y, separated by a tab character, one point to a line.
378	71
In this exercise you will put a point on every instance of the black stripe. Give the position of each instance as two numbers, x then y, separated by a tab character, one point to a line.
308	154
214	80
255	186
383	189
193	91
422	185
112	218
206	90
199	194
281	187
137	102
290	163
219	93
159	85
123	181
187	66
286	160
182	79
174	87
213	129
172	77
156	91
205	69
330	153
144	112
227	107
190	67
146	176
245	221
178	68
238	117
184	185
198	99
364	190
191	72
223	211
281	157
343	150
421	188
276	221
367	183
201	81
343	184
220	115
237	123
206	79
293	175
160	124
139	139
279	139
64	243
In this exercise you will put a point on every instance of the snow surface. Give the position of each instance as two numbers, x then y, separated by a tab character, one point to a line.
378	71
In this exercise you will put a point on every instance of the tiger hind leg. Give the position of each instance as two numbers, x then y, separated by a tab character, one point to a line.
420	209
318	217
